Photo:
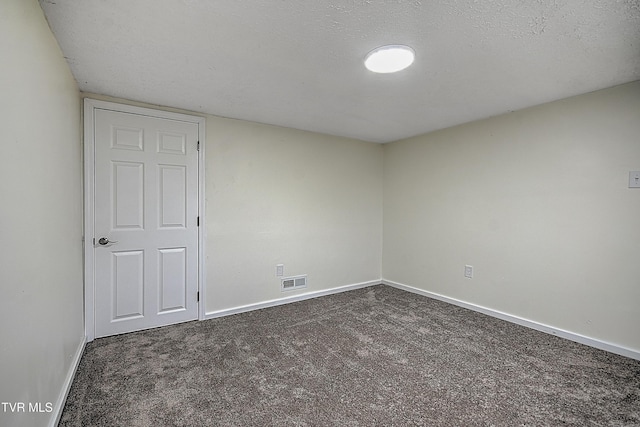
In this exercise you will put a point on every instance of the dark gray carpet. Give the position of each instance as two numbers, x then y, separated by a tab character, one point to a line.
374	356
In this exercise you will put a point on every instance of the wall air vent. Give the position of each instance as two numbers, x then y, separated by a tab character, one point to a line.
291	283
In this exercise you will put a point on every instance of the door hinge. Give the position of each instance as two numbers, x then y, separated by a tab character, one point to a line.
198	222
198	296
198	146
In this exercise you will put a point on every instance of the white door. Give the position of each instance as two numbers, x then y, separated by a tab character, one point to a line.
146	222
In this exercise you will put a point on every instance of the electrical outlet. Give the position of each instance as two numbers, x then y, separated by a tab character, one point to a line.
279	270
634	179
468	271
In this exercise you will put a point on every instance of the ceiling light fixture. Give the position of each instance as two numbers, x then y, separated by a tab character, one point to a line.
389	59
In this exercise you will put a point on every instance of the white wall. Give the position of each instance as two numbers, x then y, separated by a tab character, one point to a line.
40	216
274	195
537	201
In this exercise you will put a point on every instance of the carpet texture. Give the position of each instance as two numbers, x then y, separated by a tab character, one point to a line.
373	356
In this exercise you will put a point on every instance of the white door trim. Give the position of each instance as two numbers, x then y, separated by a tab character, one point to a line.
90	105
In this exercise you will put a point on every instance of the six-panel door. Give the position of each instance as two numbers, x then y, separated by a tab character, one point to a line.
146	206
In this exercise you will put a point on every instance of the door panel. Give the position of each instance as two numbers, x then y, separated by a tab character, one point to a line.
172	196
146	205
173	279
127	283
172	143
127	138
127	194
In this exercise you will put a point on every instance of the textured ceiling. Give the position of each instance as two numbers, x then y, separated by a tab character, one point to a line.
300	63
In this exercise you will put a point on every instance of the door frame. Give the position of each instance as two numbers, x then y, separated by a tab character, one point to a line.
90	106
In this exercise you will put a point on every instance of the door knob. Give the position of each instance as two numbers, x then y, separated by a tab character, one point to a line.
104	241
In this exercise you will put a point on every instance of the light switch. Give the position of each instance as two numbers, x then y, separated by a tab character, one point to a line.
634	179
468	271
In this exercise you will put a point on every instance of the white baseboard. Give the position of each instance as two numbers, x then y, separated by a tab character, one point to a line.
287	300
592	342
66	386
